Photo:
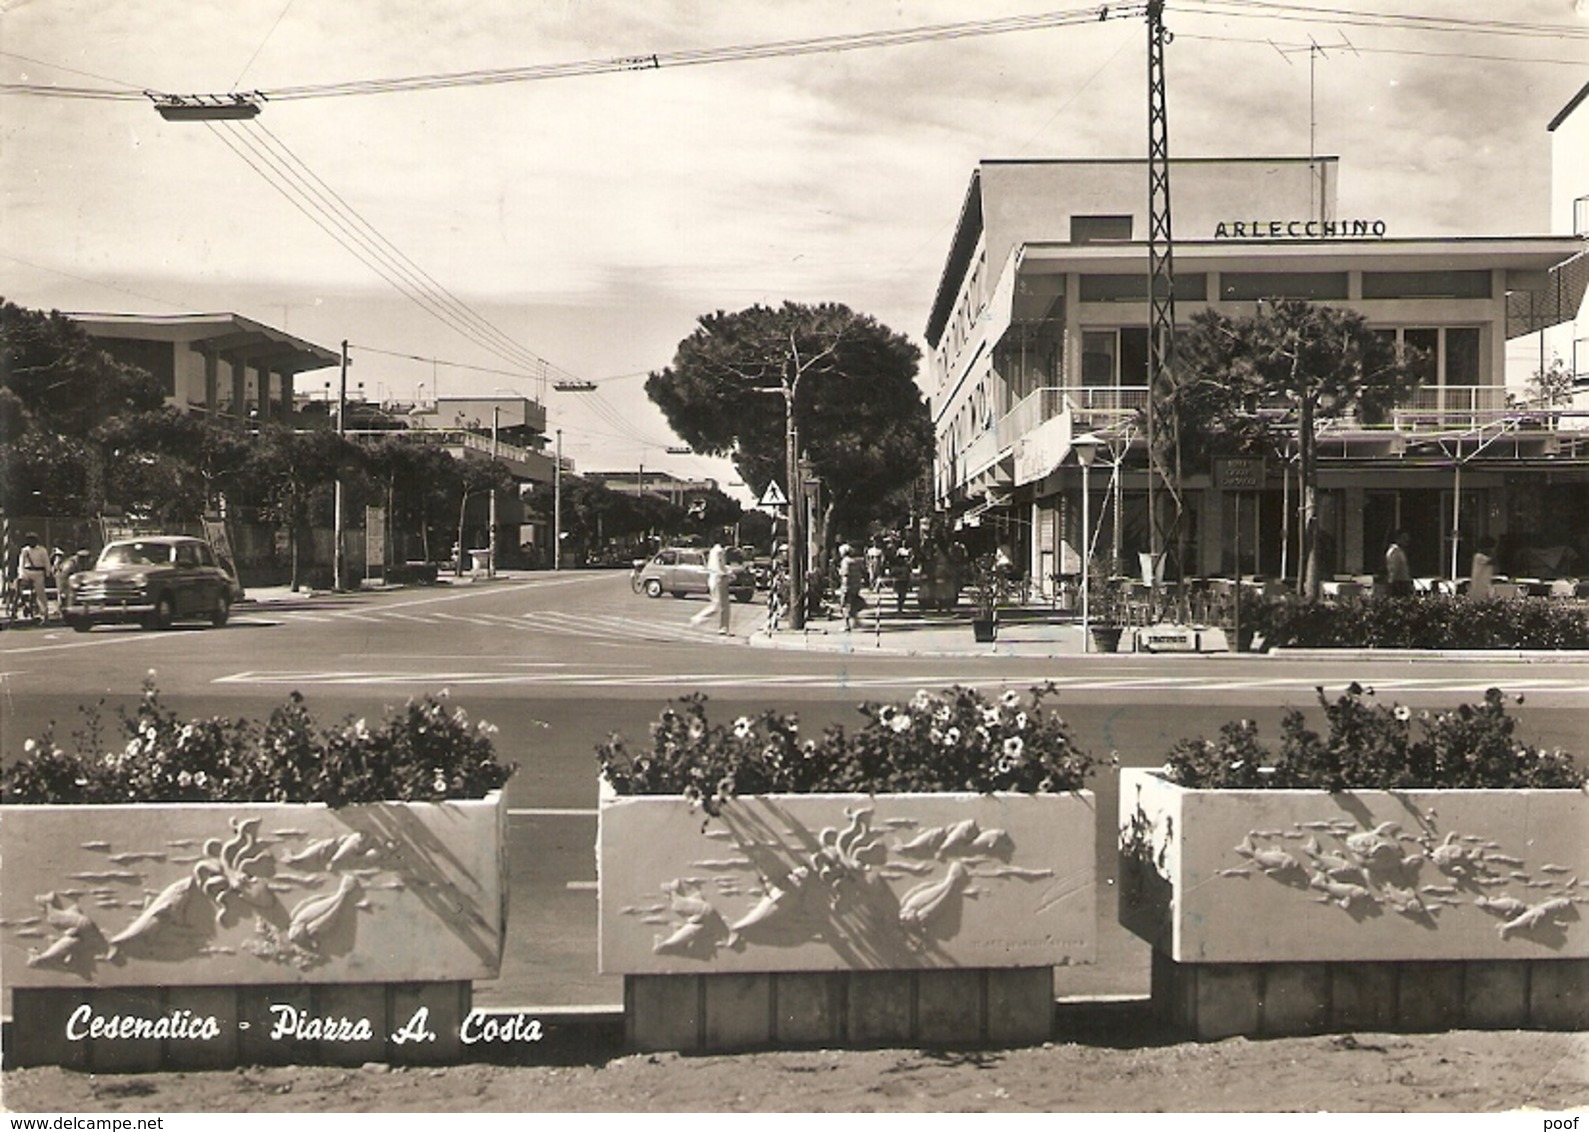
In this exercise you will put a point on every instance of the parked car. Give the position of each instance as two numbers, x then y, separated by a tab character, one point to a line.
681	570
153	580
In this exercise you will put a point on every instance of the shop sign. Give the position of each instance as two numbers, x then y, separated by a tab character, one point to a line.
1300	230
1239	473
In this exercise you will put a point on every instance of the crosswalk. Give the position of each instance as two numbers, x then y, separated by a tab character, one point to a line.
593	626
553	674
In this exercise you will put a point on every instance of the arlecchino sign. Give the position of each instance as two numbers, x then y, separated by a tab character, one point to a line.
1300	230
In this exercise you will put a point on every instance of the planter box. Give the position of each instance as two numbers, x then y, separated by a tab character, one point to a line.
123	907
839	919
1323	905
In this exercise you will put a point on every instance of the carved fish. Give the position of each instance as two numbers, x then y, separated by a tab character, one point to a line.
778	901
993	841
62	915
1318	825
316	854
1269	860
96	846
1349	873
1404	900
1438	890
1377	845
315	916
133	858
1338	891
1234	873
1503	859
926	901
1554	869
684	902
924	844
1328	861
355	847
1535	916
1449	857
1501	905
684	939
164	910
61	953
961	833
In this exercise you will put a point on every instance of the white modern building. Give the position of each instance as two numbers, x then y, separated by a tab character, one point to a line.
1038	334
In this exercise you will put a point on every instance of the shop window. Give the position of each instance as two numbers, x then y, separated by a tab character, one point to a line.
1115	357
1133	288
1426	284
1250	286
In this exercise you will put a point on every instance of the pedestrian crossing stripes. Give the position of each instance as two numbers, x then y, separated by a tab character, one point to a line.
520	675
606	627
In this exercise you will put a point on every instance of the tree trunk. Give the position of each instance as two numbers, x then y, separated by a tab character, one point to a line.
1310	492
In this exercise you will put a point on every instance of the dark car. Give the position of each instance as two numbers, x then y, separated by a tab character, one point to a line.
680	570
155	581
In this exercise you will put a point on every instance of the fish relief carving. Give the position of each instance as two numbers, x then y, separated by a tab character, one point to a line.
927	902
236	870
80	940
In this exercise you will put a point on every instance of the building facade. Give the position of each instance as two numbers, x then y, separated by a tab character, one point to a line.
1038	335
222	365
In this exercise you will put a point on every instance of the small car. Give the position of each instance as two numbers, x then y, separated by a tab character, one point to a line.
681	570
153	580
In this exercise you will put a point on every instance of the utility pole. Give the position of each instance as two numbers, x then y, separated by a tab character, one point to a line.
557	506
338	579
1161	291
491	543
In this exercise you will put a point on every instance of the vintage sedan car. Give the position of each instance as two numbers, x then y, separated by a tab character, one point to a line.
681	570
155	581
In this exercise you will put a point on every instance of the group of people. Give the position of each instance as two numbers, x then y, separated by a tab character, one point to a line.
1398	570
37	570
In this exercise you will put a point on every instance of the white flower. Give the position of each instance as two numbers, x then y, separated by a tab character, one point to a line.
951	737
1010	698
1020	721
900	723
922	700
184	778
1403	712
1013	747
1003	765
990	716
742	727
29	746
942	713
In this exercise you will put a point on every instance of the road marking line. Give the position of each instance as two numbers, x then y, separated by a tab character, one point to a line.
549	812
581	886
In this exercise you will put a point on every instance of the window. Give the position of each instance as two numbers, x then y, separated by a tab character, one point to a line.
1099	229
1250	286
1426	284
1580	216
1115	357
1133	288
1451	355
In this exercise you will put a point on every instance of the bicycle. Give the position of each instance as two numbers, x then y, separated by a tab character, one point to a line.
22	603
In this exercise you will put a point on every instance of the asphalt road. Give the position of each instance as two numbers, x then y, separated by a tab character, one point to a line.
559	661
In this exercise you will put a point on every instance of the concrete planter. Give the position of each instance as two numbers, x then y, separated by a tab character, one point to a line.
233	922
844	919
1293	911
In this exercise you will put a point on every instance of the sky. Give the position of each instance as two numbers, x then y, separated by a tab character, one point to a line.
589	218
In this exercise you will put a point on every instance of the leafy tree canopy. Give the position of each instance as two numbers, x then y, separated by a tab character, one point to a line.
863	422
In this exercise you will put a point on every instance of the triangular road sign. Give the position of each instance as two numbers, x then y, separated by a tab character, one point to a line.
773	496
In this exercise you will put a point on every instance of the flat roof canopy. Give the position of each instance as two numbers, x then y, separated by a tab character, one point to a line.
229	336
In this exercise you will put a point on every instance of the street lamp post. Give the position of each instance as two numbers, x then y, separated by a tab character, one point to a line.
491	544
1086	447
557	506
338	519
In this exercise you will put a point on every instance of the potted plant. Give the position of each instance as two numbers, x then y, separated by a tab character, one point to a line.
913	880
986	590
210	892
1400	870
1106	615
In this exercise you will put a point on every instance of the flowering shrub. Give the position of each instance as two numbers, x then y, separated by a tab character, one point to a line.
420	753
956	740
1374	747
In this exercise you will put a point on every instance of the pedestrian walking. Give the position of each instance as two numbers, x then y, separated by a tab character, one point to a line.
1398	572
874	564
852	576
1481	577
900	568
33	568
777	592
719	605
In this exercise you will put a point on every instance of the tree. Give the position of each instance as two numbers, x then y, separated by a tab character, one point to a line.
286	468
1239	382
841	382
416	481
